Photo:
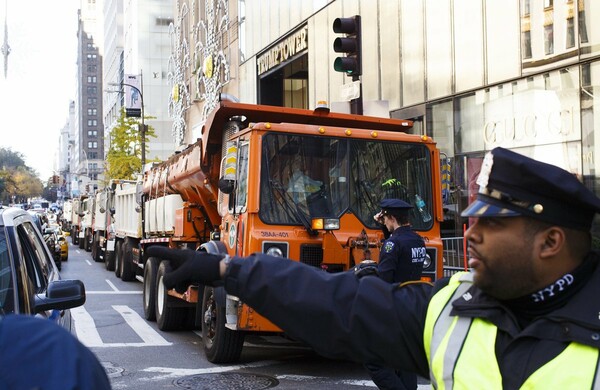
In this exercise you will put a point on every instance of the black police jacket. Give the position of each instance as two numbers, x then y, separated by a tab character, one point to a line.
370	320
401	257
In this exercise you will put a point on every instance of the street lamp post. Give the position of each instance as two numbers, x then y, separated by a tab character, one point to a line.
142	125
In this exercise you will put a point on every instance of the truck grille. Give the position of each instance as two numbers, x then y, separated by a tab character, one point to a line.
311	255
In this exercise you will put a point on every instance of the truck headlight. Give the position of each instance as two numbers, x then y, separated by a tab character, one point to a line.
325	224
277	249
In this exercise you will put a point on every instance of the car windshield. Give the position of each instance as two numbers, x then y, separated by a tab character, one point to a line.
6	281
308	176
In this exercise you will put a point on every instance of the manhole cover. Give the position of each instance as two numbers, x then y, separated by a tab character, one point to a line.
227	380
112	371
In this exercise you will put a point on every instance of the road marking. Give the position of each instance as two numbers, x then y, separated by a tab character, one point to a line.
87	332
111	285
89	262
113	292
85	328
170	372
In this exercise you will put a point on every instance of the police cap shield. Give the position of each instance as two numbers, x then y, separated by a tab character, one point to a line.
511	184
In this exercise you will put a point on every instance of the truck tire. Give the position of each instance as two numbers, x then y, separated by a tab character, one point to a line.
170	312
221	345
109	260
87	243
150	270
96	247
118	257
81	241
127	270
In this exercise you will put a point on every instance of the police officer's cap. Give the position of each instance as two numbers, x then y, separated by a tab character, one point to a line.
395	206
511	185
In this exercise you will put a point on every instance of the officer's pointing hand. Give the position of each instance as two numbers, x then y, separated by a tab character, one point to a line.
188	266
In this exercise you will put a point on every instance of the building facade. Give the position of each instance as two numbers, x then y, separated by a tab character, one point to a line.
471	74
88	143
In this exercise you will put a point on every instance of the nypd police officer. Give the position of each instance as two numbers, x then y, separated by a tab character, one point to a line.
403	253
526	316
400	260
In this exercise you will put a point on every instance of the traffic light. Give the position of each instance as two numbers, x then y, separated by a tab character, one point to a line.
350	45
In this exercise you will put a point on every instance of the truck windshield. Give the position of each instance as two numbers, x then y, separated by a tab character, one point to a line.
307	176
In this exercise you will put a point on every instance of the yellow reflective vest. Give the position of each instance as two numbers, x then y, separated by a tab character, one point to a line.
461	350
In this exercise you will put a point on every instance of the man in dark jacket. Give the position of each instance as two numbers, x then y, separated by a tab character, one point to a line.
36	353
525	317
400	260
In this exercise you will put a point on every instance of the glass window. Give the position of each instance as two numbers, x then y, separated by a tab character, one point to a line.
549	39
306	176
590	123
469	122
440	125
242	179
35	256
526	44
7	304
570	33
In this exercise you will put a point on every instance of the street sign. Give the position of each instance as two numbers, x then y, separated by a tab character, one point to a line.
350	91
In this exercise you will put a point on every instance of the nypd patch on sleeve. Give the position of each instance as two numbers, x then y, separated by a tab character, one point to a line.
387	248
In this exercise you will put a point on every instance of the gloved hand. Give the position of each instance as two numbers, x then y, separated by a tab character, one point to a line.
188	266
366	268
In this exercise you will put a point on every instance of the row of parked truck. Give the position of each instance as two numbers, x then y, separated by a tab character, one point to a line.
288	182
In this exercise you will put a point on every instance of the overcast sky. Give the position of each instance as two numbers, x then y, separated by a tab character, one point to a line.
41	77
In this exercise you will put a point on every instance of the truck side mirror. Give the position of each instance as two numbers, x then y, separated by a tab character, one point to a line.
226	186
111	211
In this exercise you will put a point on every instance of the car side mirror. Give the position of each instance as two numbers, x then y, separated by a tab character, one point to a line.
61	295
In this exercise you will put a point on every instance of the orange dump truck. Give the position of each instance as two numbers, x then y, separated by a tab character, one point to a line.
288	182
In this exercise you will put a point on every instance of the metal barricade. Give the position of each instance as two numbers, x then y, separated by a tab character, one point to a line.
454	255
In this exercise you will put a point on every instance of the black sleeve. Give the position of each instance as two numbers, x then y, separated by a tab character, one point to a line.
340	316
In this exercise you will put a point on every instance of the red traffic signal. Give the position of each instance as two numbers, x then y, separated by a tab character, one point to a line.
350	45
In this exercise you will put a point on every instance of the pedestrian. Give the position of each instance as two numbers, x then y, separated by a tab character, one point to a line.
36	353
400	260
526	316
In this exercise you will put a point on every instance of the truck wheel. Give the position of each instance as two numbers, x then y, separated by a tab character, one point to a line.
87	241
74	238
221	345
109	260
81	241
150	269
96	247
127	270
118	258
170	312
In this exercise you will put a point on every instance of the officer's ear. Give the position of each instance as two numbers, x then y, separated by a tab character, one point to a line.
552	241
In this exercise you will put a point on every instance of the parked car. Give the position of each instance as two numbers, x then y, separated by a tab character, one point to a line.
52	242
61	244
29	279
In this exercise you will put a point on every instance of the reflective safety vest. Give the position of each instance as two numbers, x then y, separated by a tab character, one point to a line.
461	351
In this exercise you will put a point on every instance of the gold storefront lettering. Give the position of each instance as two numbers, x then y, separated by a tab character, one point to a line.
283	50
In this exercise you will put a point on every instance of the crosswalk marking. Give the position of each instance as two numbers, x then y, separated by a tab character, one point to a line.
87	332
